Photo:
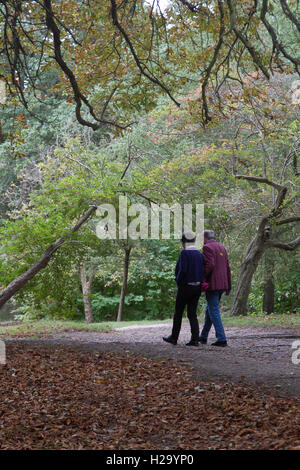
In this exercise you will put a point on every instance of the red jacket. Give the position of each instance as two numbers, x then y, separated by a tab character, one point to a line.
216	267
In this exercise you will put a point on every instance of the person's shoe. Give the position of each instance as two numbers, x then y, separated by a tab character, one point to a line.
170	339
192	343
202	340
221	344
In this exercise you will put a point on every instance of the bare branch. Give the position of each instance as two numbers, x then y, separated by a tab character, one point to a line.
81	164
189	5
78	96
289	14
143	68
281	194
288	221
260	180
277	44
217	49
254	54
289	246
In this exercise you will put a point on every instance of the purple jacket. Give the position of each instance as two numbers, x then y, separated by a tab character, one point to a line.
217	269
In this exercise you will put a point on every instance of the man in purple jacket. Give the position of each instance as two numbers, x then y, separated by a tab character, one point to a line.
218	276
189	275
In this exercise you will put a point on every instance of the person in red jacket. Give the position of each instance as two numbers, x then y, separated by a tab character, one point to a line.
218	276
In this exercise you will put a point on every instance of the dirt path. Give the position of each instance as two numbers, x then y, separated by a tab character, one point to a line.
261	356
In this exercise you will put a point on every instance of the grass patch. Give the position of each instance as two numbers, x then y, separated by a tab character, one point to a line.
49	327
279	320
42	328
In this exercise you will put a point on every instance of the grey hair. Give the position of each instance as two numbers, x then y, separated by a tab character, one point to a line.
209	234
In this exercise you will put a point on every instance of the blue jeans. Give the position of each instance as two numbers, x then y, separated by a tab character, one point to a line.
212	315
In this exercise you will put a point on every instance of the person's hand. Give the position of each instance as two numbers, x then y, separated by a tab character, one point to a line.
227	292
204	286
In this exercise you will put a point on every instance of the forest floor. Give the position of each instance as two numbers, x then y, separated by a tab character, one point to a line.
127	389
257	355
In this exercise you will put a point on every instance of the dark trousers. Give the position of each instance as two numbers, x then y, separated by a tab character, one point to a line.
186	296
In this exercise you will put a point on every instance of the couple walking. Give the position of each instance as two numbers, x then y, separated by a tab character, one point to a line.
192	269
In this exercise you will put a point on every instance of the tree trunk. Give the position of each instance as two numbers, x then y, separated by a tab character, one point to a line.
259	244
268	300
42	262
86	291
249	265
124	283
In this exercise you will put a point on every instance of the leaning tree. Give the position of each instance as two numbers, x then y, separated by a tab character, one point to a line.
264	154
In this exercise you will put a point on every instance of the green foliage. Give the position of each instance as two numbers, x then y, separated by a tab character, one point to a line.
255	300
287	292
105	307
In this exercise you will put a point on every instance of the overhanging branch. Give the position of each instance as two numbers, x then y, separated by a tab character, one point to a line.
277	44
289	246
281	194
288	221
289	14
78	95
260	180
142	67
251	49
